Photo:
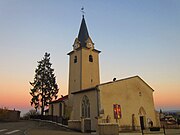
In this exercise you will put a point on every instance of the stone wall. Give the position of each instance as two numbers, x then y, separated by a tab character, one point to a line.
13	115
10	115
74	124
83	125
108	129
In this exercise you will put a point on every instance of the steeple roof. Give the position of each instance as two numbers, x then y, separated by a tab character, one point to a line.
83	33
83	39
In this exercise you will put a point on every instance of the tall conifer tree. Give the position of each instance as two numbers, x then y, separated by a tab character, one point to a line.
44	87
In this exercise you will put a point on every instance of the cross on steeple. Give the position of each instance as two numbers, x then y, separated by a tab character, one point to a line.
82	10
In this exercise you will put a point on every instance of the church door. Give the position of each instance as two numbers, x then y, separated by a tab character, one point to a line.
142	117
142	122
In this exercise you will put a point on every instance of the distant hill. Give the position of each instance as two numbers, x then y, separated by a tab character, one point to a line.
173	111
170	111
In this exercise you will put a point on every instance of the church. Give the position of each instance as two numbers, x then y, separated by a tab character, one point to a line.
127	102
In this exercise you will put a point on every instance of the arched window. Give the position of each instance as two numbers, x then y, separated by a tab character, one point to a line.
85	106
90	58
75	59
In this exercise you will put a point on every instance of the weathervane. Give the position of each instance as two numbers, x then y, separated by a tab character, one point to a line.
82	11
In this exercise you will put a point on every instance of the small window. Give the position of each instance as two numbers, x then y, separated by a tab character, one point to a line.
90	58
75	59
140	94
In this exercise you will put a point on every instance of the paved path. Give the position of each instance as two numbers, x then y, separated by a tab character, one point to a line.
168	132
44	128
15	128
8	132
34	128
54	132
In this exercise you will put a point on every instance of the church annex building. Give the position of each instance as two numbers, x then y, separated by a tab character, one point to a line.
127	102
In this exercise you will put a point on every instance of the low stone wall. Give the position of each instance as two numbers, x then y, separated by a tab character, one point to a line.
125	128
14	115
108	129
74	124
10	115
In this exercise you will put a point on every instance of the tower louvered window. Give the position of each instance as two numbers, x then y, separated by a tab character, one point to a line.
75	59
90	58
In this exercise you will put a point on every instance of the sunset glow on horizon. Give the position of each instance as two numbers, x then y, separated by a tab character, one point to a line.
135	37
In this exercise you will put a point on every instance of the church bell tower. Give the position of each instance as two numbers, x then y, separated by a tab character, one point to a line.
83	62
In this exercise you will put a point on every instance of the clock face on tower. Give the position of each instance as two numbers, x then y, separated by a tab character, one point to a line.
76	46
89	45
